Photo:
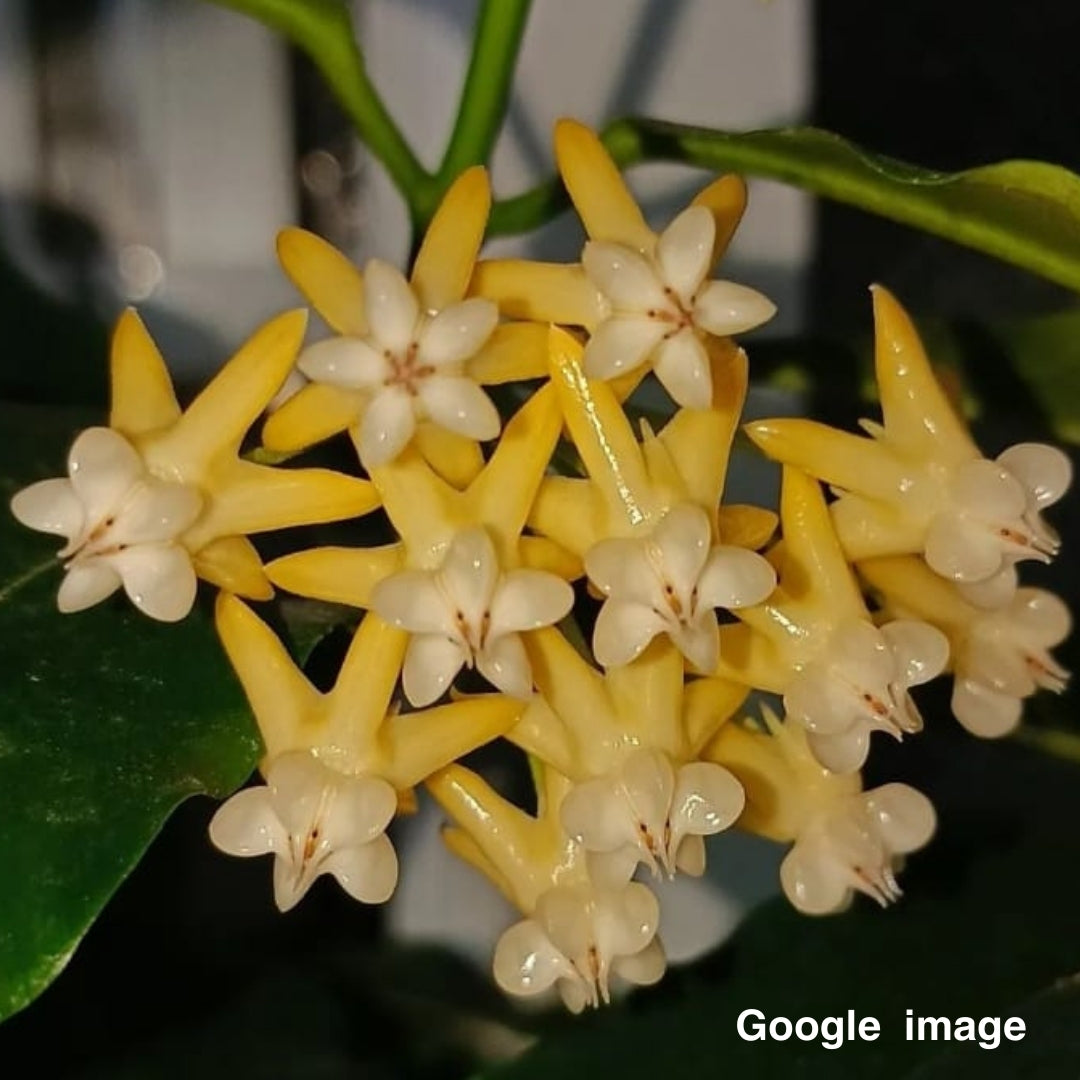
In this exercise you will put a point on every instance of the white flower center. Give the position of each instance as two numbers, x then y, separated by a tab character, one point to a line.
470	613
578	938
122	525
648	811
315	821
670	582
853	844
859	684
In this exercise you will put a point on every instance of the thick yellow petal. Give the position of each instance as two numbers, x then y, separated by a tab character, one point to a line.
503	493
815	572
846	461
746	526
338	575
143	399
422	507
459	843
219	418
869	528
457	459
418	744
707	705
358	705
603	437
570	512
316	413
540	291
540	553
748	656
912	590
248	498
603	201
725	198
573	688
699	440
507	836
647	697
233	564
541	734
329	281
918	415
444	264
513	353
287	707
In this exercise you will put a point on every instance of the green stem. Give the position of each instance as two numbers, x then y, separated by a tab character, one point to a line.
500	27
323	29
1059	744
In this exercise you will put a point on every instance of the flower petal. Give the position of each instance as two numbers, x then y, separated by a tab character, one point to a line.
457	333
346	362
49	506
158	579
734	577
988	491
725	308
905	818
392	308
814	699
411	600
597	815
527	600
682	366
690	855
470	573
431	663
87	583
644	968
103	466
985	712
684	251
625	277
707	800
623	629
246	825
961	551
362	808
920	650
458	404
620	344
621	568
156	511
1045	471
698	641
527	963
1044	617
327	279
368	873
683	537
843	753
388	425
814	883
505	664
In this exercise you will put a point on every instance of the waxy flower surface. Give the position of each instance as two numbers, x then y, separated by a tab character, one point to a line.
644	298
918	484
408	357
846	840
468	613
1000	656
336	763
813	641
160	496
580	931
630	739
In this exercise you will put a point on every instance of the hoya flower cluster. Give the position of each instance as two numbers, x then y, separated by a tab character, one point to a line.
627	694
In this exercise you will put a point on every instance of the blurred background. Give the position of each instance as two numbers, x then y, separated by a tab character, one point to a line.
150	151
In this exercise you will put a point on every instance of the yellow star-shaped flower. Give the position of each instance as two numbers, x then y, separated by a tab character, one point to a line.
813	640
161	495
336	763
918	484
645	299
407	357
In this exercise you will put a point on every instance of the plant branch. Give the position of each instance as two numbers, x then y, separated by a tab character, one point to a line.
500	27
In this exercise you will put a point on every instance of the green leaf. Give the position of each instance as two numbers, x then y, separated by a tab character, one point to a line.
989	916
1024	212
107	722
